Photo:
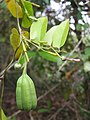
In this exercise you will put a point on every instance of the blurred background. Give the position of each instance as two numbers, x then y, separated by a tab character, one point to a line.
63	88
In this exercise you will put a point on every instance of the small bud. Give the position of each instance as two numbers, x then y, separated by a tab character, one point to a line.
17	65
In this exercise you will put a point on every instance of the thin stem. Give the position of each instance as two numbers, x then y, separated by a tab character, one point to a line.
56	52
26	43
25	68
32	43
2	73
25	51
70	55
72	59
34	4
20	32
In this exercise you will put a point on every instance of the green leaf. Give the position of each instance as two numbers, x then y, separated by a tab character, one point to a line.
15	41
28	11
29	53
60	34
49	56
38	30
25	34
57	35
29	8
49	35
13	7
3	116
44	110
26	23
14	38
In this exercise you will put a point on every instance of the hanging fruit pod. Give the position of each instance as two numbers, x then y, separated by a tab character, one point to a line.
26	98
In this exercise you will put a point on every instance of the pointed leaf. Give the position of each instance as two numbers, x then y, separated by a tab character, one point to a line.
60	34
14	8
49	56
38	30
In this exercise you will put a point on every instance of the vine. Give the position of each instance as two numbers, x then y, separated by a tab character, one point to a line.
48	44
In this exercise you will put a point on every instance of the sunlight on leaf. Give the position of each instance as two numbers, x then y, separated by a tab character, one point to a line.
57	35
60	34
48	36
38	30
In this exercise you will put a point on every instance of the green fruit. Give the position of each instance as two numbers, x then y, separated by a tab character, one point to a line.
26	98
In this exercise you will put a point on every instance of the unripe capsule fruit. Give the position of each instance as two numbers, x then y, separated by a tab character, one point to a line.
26	98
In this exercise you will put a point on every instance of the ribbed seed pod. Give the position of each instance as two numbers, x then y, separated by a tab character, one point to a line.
26	98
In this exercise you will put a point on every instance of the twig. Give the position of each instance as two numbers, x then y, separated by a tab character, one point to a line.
19	111
34	4
20	32
70	55
1	74
53	88
72	59
76	111
59	110
56	113
78	105
30	114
